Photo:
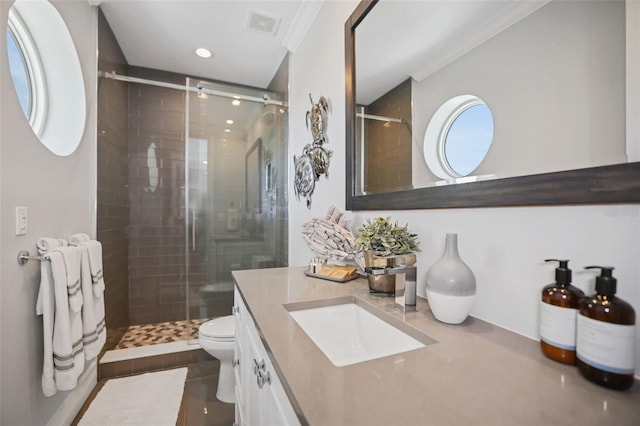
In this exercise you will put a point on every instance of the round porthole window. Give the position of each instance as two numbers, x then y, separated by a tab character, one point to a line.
46	74
458	137
20	74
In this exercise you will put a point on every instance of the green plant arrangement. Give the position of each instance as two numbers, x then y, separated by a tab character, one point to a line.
387	239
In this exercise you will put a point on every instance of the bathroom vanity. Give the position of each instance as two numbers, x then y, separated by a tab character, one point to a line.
473	373
260	398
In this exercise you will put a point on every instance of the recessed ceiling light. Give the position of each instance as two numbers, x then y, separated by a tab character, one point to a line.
205	162
227	130
203	53
235	102
229	121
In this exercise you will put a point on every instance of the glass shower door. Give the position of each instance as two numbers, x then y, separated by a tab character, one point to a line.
228	196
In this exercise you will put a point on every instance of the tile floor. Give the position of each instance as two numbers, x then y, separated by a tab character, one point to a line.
199	405
164	332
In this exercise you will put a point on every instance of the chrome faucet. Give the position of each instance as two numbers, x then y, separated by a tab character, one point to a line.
404	282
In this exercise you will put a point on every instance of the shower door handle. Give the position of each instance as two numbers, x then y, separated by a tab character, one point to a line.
193	230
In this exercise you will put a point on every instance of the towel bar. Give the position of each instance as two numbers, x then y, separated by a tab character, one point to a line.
24	256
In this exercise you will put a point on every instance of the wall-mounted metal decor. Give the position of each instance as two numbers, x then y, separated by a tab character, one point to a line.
314	161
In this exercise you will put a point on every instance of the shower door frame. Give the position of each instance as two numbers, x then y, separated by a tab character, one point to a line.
185	87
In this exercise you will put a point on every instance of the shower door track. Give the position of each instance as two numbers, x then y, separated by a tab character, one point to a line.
264	100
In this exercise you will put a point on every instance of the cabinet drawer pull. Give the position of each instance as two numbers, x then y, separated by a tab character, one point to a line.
235	362
258	366
235	310
263	377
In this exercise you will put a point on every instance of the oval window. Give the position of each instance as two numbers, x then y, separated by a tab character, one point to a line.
458	137
46	74
19	73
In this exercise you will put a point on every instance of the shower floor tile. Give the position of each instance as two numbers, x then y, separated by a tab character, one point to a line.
164	332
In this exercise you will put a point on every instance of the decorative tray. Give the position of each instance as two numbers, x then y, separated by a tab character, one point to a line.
328	278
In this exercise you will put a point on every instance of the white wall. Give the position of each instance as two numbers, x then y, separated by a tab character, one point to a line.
60	195
504	246
317	68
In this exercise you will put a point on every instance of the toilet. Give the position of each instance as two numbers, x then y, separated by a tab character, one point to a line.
217	339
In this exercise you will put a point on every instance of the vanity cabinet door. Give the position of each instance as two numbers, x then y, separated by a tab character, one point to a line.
254	391
240	360
261	399
247	392
276	407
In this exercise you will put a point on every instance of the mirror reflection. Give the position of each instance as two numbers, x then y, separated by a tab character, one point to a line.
551	72
468	139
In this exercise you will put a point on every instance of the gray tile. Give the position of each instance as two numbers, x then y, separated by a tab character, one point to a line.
199	403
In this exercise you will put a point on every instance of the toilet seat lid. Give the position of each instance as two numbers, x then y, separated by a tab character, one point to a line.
218	328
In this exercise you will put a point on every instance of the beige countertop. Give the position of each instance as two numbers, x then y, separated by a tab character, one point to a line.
477	373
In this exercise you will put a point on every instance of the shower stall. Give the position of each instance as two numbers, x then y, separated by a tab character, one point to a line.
205	195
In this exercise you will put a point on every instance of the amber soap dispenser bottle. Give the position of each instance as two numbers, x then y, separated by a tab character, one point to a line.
558	312
606	335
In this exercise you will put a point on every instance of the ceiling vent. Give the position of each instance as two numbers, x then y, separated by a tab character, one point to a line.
263	23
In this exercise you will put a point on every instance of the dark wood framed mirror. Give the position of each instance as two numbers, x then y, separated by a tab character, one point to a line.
608	184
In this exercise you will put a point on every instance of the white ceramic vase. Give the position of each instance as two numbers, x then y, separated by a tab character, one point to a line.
451	285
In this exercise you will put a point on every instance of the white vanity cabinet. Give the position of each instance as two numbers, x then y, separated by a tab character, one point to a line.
260	397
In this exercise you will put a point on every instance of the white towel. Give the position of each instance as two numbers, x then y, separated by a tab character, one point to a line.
94	333
95	264
45	245
77	239
67	345
72	257
46	308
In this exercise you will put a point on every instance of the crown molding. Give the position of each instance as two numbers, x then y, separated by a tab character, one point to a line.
301	23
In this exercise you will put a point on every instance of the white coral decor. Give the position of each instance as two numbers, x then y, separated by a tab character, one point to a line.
330	238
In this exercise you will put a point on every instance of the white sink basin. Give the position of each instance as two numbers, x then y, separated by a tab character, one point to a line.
348	334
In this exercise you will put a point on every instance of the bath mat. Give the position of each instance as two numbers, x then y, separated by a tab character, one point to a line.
148	399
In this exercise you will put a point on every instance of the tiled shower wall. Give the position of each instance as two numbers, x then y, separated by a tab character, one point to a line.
388	145
157	282
112	192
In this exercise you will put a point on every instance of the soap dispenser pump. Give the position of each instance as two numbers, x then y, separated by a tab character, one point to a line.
606	335
558	311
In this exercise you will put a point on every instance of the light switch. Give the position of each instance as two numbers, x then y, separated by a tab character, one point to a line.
21	221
